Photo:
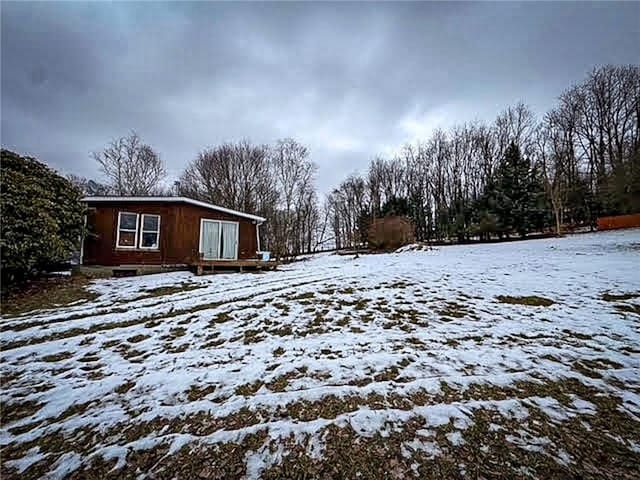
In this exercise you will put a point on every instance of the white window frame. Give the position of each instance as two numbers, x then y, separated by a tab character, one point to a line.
143	231
135	232
220	222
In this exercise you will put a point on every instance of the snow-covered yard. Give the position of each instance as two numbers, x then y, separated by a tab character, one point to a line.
426	364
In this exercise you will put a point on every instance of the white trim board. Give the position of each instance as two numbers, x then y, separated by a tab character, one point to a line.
175	200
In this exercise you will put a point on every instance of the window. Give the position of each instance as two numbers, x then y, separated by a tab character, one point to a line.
128	226
150	236
127	230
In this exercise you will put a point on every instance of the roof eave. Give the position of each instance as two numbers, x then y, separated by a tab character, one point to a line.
191	201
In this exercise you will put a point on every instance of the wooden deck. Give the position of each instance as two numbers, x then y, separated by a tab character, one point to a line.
240	265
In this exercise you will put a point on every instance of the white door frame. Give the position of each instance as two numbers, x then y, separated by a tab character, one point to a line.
220	222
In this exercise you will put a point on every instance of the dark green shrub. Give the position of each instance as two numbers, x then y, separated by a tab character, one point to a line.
42	217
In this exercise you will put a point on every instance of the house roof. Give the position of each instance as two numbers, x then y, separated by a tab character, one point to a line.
174	200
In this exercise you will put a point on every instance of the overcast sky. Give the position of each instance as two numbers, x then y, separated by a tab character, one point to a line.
349	80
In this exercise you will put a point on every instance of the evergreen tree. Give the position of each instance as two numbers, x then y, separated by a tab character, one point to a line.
515	196
396	207
539	213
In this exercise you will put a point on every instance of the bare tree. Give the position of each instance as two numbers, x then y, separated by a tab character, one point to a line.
553	153
296	208
516	124
608	129
349	207
276	182
130	166
236	176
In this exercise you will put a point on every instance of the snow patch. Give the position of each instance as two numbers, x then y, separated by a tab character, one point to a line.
66	464
33	455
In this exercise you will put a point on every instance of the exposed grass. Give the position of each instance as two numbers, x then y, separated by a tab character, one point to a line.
216	342
137	338
196	392
45	294
170	290
175	332
87	341
401	284
221	317
18	410
454	310
415	341
282	331
280	383
131	354
249	388
530	300
578	335
390	373
303	296
283	307
57	357
110	343
327	291
252	336
621	307
342	322
75	409
183	347
90	357
616	297
586	370
125	387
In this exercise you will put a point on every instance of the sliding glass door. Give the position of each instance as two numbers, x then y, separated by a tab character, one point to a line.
218	240
210	239
229	241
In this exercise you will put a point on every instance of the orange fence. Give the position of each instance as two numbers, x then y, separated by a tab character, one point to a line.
619	221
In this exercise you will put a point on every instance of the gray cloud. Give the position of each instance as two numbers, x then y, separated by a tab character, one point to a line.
350	80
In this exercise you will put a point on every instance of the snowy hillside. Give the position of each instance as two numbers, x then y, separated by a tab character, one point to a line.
518	358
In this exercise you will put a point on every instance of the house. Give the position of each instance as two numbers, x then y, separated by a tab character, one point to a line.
156	233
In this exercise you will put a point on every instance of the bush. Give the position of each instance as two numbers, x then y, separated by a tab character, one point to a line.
42	218
391	232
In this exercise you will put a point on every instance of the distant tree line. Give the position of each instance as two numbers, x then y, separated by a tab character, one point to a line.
515	176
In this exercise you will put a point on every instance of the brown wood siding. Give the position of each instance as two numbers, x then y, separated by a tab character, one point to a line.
179	233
